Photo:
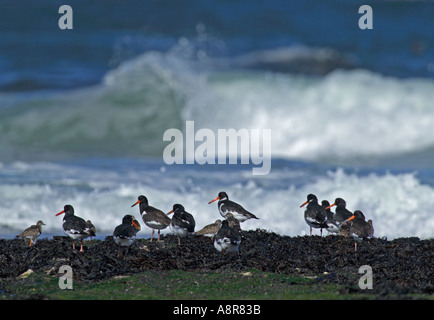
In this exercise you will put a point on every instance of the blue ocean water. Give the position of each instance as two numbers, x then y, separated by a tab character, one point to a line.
83	111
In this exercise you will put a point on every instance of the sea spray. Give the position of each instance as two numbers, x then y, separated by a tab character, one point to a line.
398	203
345	115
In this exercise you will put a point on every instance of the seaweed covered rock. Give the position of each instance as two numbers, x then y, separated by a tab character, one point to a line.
399	266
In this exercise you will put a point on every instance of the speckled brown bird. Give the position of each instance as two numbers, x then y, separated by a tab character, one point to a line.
210	230
32	233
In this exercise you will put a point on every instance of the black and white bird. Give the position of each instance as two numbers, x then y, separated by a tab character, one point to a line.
359	228
32	232
332	225
75	227
125	234
152	217
227	206
227	239
341	214
182	222
314	215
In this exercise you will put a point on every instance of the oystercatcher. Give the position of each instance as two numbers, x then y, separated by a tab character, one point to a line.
75	227
314	215
227	206
182	222
32	232
341	215
152	217
227	239
359	228
125	233
332	225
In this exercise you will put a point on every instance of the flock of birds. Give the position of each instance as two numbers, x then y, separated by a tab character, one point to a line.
225	234
342	222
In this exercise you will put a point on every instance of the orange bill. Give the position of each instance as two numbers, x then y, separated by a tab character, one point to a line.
214	200
134	224
304	204
138	201
332	205
350	218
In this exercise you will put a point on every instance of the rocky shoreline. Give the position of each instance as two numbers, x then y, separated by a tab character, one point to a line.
400	266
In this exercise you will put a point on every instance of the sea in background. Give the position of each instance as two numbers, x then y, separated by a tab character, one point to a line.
83	111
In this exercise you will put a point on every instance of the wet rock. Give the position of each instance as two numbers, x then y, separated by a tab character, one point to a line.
400	266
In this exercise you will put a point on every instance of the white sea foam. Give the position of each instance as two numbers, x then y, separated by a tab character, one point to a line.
399	204
345	114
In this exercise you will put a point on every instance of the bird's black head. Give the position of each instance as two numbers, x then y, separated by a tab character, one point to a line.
142	200
339	202
225	223
131	221
127	219
325	203
68	210
223	196
310	198
359	214
178	208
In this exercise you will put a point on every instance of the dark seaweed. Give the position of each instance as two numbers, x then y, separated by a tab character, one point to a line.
399	266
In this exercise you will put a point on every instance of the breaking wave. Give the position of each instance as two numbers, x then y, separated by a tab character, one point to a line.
344	114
